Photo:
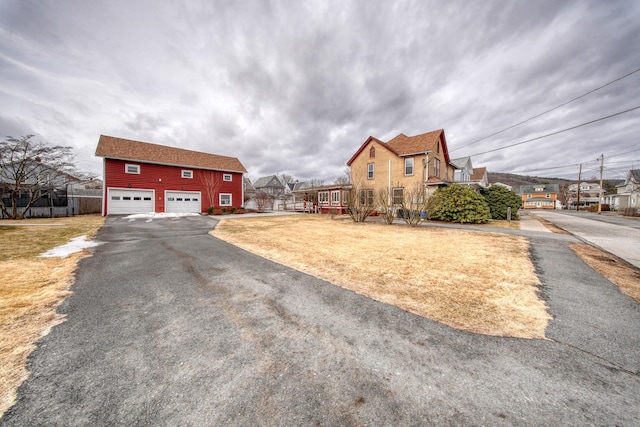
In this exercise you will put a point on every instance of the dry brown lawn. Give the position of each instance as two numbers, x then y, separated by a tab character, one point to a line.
32	288
475	281
616	270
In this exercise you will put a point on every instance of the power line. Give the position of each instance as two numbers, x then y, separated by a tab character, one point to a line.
548	111
556	132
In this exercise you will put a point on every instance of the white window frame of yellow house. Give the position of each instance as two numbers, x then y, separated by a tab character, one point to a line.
371	173
409	163
398	198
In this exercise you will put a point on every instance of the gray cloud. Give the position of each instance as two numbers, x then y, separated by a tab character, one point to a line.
296	87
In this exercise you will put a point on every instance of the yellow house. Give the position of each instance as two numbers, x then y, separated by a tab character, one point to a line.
401	163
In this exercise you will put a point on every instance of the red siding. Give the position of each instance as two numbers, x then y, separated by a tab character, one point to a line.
161	178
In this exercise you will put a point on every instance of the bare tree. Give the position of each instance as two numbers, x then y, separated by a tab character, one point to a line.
362	201
316	182
384	201
30	170
344	177
413	205
264	200
211	185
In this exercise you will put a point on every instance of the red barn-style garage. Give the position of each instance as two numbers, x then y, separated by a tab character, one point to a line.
140	177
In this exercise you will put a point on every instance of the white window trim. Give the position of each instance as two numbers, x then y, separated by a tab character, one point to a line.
371	170
227	177
335	197
129	165
412	166
230	199
186	173
393	195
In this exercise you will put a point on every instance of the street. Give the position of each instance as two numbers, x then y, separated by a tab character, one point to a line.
615	234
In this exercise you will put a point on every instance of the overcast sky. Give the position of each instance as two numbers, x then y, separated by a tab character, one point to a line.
297	86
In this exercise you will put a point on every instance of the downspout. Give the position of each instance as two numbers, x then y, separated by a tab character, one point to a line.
242	180
104	186
425	173
389	187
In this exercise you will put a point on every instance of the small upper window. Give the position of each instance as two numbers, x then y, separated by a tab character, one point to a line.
408	166
227	177
370	171
187	174
132	168
372	152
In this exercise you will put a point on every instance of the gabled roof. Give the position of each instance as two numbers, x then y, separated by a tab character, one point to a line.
268	181
125	149
462	162
364	144
633	174
478	174
403	145
546	188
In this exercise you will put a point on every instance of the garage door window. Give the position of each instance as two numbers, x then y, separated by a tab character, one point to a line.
225	199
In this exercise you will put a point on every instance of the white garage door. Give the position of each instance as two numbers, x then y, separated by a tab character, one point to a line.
129	201
183	201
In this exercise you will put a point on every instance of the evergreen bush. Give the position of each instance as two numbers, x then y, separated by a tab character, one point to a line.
458	203
499	199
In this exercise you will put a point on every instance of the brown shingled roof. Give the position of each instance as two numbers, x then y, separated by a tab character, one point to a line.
403	145
126	149
478	173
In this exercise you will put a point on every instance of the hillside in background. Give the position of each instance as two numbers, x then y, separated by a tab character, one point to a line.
517	180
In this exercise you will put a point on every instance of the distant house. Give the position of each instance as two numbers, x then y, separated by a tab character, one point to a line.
271	184
500	184
539	196
141	177
277	189
480	178
463	169
628	193
46	192
401	164
589	195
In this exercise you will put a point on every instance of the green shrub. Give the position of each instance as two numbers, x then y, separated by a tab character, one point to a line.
499	199
224	210
458	203
233	209
210	210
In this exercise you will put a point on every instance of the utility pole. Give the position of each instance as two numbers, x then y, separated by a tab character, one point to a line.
601	189
579	178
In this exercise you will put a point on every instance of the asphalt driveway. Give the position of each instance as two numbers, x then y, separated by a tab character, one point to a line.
170	326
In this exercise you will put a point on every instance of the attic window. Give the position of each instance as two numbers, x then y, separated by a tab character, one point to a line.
227	177
372	152
187	174
132	169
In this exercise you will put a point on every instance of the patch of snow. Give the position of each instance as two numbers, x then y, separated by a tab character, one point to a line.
75	245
